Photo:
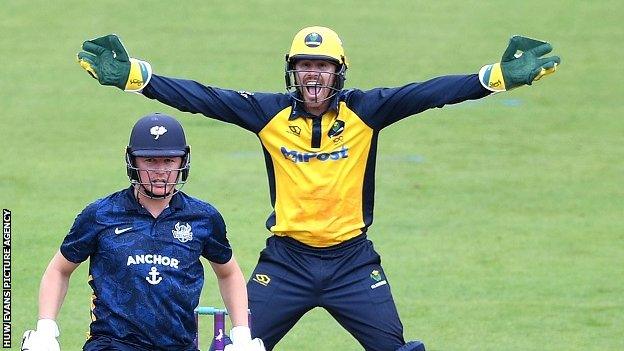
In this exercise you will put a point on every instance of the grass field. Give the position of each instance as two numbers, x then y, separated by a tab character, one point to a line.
500	221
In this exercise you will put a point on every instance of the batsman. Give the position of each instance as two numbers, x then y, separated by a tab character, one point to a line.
144	245
319	142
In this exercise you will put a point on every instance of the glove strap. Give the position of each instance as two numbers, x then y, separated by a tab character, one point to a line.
491	77
48	328
139	77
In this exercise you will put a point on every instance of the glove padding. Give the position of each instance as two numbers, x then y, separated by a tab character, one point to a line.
43	339
106	59
241	340
521	64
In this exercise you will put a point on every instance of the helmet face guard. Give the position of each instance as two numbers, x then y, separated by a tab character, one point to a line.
315	43
294	86
157	136
146	187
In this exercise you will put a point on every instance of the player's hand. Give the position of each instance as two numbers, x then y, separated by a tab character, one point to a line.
241	341
106	59
521	64
42	339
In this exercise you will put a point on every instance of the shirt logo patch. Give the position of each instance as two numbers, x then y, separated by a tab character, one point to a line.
296	130
375	275
336	129
182	232
262	279
121	231
157	131
378	278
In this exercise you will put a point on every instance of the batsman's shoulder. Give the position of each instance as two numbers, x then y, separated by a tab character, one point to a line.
103	207
193	204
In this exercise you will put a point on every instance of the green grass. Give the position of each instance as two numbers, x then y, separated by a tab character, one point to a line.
500	222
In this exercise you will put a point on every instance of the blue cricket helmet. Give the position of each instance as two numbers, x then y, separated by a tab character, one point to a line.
158	135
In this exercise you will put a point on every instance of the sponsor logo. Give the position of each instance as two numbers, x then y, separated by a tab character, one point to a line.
336	129
244	94
297	156
496	84
121	231
338	140
136	82
313	40
296	130
376	285
153	276
262	279
157	131
153	260
182	232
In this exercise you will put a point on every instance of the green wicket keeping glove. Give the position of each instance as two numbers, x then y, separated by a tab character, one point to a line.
521	64
106	59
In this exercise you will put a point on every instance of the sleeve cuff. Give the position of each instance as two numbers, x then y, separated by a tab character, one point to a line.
491	77
139	77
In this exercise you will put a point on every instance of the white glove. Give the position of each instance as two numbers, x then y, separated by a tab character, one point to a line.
241	340
43	339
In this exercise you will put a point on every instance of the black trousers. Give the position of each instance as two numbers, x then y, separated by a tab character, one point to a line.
347	280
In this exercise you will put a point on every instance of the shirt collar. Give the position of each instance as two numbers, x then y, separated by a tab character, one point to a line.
130	202
299	111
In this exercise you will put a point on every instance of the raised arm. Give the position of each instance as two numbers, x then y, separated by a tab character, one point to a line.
107	60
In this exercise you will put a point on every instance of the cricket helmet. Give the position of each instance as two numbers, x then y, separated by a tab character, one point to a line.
157	135
316	43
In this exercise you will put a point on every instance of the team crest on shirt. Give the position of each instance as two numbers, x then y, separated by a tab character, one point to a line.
336	129
182	232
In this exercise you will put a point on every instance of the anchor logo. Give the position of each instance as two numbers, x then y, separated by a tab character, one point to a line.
153	276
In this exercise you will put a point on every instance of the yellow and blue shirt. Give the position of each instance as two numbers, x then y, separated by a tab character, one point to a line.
321	168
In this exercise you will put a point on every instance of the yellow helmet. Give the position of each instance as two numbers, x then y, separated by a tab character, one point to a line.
316	43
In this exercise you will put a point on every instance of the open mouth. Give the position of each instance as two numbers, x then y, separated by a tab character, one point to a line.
313	87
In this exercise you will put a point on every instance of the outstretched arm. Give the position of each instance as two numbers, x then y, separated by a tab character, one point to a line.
107	60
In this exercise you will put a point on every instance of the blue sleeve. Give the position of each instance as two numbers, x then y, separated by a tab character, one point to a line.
217	247
81	241
383	106
251	111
